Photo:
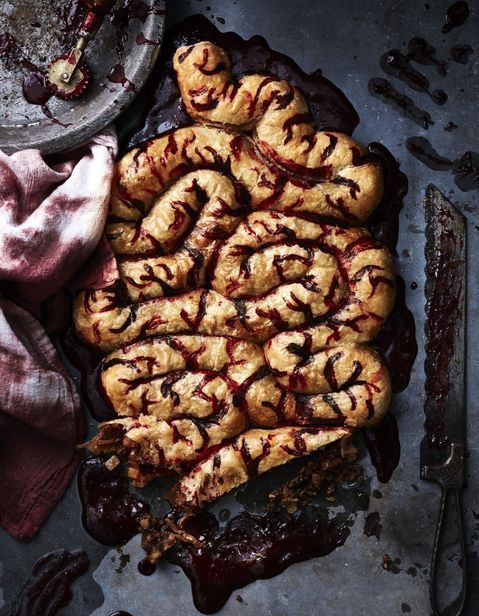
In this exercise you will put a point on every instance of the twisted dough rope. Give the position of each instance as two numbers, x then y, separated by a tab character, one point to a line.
184	395
284	132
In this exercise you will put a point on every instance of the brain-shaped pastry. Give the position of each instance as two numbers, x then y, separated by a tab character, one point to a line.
237	335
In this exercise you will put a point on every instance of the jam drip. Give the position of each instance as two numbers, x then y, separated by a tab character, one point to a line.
396	340
398	65
48	588
109	511
384	448
456	15
387	93
228	557
465	170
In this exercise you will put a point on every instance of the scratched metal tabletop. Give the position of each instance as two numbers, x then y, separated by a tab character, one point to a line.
346	39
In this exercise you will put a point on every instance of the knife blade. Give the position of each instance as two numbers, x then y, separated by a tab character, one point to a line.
443	446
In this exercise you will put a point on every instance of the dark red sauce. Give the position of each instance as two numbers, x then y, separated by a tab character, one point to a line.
228	558
455	16
387	93
444	314
35	89
465	169
48	588
461	53
398	65
383	445
87	362
109	511
117	75
397	340
423	151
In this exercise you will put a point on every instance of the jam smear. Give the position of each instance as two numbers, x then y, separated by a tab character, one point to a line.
423	151
383	90
461	53
444	313
398	65
465	169
117	75
250	547
455	16
110	511
48	588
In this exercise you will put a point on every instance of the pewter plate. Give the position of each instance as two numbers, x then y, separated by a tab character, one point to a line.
120	59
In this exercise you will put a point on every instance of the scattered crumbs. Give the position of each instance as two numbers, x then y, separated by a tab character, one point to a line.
355	57
221	20
387	561
377	494
424	571
412	571
405	607
415	487
124	560
413	285
405	253
113	558
320	475
179	570
391	565
450	126
239	598
372	525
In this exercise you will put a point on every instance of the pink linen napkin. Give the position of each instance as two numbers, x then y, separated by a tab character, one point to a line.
51	219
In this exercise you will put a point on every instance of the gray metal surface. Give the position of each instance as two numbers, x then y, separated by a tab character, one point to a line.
345	39
68	123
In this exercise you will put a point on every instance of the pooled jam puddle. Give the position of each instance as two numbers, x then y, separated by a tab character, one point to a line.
228	558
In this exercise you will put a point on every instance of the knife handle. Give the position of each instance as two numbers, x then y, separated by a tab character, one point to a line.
456	608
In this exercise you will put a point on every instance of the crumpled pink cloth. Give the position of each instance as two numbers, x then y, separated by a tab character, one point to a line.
51	220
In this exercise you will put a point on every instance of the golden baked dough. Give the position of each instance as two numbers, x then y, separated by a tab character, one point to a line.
238	301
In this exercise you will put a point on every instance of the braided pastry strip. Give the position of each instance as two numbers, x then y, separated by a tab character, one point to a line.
147	171
252	453
192	374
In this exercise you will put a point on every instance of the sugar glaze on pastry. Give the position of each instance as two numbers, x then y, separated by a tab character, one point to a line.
237	336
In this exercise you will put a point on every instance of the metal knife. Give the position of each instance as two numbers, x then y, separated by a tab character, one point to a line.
444	445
